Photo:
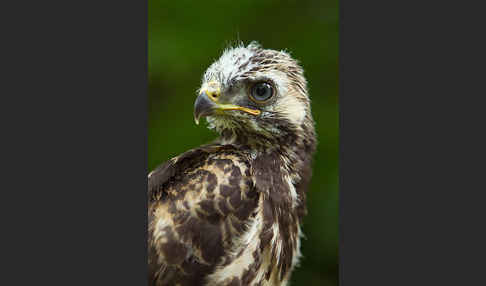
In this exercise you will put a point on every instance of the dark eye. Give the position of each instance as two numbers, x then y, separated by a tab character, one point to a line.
261	92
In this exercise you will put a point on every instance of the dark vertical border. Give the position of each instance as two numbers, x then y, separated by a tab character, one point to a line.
75	144
411	156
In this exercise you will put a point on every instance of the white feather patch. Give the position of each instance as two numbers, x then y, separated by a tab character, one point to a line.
293	191
292	108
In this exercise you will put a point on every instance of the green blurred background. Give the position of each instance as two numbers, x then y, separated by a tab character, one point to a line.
185	37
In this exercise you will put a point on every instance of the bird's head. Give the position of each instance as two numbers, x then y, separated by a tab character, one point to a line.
255	94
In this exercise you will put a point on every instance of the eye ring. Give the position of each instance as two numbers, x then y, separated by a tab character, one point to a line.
261	92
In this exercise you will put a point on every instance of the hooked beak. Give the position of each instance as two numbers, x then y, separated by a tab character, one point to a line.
203	107
207	104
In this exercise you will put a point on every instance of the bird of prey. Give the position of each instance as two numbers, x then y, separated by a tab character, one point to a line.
229	213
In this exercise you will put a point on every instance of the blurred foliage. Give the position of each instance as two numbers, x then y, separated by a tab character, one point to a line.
185	37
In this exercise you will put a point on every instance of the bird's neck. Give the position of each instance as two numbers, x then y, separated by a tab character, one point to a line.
293	147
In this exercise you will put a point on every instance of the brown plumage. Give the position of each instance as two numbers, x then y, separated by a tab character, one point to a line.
229	213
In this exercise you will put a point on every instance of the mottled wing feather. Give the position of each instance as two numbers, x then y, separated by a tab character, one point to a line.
198	204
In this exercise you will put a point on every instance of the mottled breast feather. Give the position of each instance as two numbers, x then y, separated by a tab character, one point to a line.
198	203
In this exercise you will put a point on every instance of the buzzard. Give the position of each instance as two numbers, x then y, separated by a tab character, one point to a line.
229	213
